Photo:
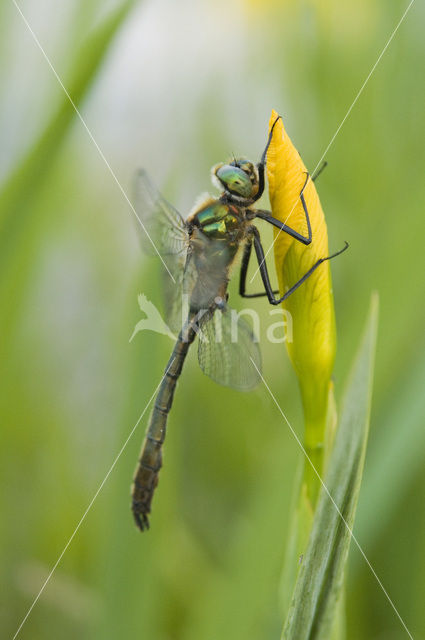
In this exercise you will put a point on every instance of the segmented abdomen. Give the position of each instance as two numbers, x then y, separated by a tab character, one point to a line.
146	476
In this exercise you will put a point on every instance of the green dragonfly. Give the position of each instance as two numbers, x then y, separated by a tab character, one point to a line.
199	253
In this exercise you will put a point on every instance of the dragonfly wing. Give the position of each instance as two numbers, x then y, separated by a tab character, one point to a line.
178	294
228	351
163	231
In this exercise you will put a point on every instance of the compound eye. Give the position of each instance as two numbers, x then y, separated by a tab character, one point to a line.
248	167
235	180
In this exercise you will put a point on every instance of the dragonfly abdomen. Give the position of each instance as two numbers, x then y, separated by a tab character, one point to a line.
150	462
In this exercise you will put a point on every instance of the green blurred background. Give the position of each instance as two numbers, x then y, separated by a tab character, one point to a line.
175	88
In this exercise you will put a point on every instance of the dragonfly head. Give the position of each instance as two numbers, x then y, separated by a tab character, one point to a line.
239	179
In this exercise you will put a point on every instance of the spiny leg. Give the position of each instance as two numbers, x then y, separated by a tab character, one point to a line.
262	164
265	275
266	215
317	173
244	272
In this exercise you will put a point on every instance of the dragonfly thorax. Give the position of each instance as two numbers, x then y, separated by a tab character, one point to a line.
217	229
219	220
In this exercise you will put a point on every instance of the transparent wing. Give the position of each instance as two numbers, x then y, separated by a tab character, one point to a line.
163	227
165	232
178	294
228	352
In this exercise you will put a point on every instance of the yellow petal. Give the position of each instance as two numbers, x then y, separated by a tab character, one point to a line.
312	350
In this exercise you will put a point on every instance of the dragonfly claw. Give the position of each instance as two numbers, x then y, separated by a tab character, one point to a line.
141	520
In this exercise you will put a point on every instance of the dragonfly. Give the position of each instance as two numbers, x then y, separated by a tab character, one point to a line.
199	253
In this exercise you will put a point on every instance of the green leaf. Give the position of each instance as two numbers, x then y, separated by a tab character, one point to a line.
18	193
399	446
317	598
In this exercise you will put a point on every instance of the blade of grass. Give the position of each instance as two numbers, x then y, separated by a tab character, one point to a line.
319	588
303	514
18	193
24	198
399	447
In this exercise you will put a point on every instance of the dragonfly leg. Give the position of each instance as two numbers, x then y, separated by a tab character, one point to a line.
262	165
266	215
244	271
317	173
265	275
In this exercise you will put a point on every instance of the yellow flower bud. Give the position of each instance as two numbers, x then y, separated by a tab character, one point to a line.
312	350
